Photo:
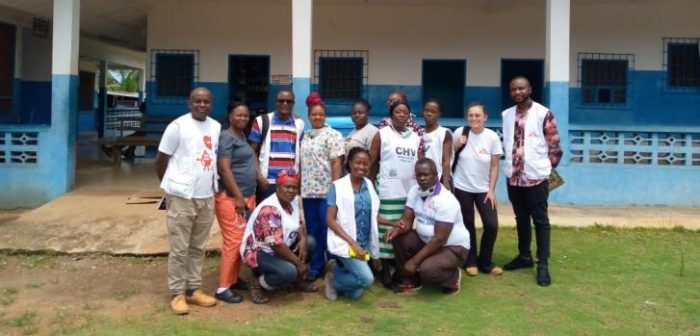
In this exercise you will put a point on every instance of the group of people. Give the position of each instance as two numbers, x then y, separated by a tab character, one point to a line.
395	201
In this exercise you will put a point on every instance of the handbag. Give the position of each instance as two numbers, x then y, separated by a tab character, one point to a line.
555	180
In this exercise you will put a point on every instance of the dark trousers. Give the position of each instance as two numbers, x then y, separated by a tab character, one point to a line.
278	271
531	202
489	218
441	268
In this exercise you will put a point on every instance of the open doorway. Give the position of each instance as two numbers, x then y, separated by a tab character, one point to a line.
444	80
532	69
248	79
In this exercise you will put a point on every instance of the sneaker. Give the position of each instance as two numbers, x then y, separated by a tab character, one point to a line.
543	277
229	296
457	287
406	288
471	271
519	262
330	291
178	305
200	298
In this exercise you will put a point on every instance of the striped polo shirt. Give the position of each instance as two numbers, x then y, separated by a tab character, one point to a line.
283	137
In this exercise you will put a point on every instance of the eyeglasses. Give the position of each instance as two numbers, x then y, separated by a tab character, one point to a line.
285	101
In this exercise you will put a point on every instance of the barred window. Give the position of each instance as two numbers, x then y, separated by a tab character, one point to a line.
604	78
174	72
683	62
341	74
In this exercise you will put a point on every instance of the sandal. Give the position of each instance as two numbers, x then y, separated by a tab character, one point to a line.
256	293
306	287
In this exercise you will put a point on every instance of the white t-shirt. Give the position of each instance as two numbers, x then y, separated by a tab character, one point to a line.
474	165
193	146
433	142
440	207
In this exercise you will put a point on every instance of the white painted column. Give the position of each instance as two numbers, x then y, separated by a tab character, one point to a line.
64	96
302	23
557	67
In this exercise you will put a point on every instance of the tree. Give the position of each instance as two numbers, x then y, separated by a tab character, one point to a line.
123	80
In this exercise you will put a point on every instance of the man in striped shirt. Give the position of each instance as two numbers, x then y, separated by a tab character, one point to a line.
277	149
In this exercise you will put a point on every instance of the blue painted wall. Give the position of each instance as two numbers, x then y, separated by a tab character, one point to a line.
650	102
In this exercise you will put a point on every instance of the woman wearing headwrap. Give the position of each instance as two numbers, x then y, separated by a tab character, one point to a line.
275	245
393	154
321	157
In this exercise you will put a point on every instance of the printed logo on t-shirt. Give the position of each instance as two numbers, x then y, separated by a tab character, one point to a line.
483	151
205	159
532	134
207	141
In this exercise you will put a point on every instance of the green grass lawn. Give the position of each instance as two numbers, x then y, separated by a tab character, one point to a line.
605	282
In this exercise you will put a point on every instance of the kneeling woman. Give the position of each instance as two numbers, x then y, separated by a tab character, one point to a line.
275	246
353	207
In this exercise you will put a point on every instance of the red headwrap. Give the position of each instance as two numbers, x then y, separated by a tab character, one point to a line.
314	99
287	175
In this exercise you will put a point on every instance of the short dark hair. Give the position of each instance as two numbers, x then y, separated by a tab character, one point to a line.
429	162
395	104
364	103
434	101
351	156
234	105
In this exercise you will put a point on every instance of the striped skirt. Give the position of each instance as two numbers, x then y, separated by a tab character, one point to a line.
391	210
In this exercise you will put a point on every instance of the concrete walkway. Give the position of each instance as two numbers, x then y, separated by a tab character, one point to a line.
94	217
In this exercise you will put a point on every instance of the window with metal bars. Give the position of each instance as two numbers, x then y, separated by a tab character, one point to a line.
174	72
604	78
341	74
682	62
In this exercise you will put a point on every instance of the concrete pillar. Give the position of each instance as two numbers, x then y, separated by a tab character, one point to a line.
302	20
557	67
102	98
17	79
64	97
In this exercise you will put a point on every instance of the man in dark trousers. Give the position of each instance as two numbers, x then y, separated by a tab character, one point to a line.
531	144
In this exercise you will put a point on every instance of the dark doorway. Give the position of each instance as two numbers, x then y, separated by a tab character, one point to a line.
7	70
532	69
248	79
444	80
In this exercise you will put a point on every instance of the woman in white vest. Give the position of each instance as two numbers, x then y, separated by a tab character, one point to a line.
437	140
393	154
353	207
275	244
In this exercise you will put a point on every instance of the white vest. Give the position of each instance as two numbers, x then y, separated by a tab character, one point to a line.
265	144
537	164
398	156
290	224
345	201
433	142
192	170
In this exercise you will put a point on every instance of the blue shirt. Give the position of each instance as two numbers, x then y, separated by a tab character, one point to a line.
363	212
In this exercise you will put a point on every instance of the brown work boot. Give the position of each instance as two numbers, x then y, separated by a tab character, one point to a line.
199	298
178	305
471	271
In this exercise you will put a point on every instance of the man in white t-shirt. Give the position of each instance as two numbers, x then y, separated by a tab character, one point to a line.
438	247
186	167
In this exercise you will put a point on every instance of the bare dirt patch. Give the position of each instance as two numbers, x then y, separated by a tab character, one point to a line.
48	294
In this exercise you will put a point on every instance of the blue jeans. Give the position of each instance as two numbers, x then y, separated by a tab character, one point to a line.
315	216
352	277
278	271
